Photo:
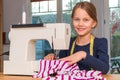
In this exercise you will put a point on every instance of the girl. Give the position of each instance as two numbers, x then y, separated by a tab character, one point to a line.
87	51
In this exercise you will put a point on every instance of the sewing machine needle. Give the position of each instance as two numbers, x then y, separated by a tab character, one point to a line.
52	45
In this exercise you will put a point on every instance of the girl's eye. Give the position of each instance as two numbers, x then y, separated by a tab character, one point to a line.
86	19
76	19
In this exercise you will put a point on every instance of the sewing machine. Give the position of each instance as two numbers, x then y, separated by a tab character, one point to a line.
22	45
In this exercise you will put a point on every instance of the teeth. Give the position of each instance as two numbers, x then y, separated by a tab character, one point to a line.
80	29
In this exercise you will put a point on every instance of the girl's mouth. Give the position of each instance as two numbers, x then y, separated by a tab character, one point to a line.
80	29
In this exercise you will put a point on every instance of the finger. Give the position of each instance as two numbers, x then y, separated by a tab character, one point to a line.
70	63
49	57
45	58
53	57
65	59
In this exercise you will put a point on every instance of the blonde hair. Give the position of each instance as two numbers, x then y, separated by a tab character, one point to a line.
88	7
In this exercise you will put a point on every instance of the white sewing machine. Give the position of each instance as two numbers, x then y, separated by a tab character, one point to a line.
22	45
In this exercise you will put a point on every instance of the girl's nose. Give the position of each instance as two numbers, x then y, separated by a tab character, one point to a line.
80	23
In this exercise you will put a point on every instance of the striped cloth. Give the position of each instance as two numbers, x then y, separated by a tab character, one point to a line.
60	70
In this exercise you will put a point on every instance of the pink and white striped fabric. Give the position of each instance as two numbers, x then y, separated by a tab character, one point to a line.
62	71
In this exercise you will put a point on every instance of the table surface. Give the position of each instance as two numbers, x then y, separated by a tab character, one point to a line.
9	77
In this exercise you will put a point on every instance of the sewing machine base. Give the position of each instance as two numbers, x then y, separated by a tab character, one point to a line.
21	68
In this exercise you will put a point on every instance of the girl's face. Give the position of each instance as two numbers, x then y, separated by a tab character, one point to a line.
82	22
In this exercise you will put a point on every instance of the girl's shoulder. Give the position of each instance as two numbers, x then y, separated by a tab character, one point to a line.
100	40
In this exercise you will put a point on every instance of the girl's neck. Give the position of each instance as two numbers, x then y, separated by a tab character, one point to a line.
83	40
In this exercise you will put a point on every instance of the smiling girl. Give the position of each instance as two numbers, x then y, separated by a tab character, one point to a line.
88	51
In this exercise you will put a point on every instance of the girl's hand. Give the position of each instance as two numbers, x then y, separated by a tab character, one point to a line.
74	58
50	56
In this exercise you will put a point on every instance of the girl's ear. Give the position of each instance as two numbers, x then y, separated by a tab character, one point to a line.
94	24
